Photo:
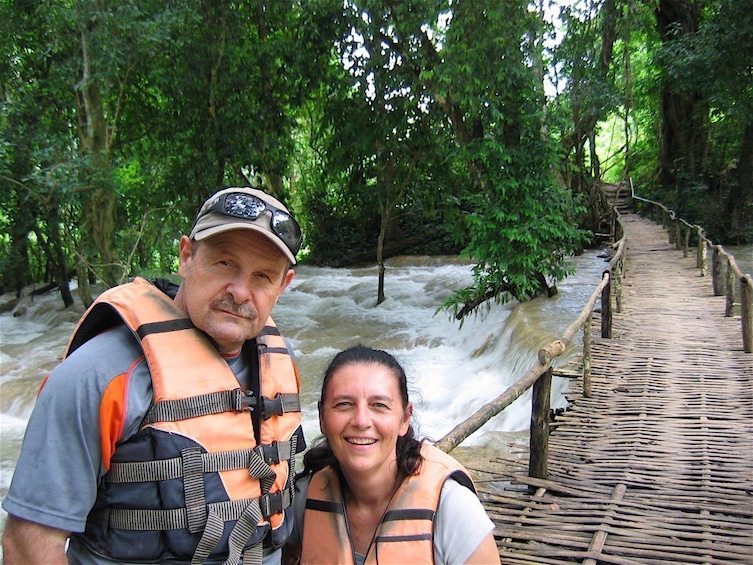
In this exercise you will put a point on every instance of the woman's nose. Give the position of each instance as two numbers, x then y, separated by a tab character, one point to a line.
361	417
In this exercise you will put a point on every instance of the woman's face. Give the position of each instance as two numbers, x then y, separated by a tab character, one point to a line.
362	415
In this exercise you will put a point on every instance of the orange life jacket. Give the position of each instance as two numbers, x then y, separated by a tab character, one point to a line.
406	531
194	481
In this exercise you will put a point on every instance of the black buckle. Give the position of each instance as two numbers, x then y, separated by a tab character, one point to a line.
270	453
272	407
271	504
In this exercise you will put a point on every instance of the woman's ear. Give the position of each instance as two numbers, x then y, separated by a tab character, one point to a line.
407	415
322	427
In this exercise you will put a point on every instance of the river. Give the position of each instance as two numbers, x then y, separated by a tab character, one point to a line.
452	370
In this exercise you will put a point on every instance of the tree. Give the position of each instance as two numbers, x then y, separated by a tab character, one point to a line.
514	219
684	109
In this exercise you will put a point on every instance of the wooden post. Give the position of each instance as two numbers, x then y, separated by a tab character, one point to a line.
587	356
538	462
729	301
606	309
678	233
716	272
687	243
746	312
702	253
618	287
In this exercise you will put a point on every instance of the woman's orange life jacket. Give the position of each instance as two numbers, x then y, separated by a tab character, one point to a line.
406	532
196	480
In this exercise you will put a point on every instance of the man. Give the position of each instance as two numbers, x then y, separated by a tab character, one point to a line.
168	433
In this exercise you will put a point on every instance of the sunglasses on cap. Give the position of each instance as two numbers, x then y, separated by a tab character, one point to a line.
250	207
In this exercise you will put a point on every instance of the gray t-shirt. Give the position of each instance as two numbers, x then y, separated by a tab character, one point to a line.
460	525
64	437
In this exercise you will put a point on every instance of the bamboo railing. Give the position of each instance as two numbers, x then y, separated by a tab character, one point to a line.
724	269
539	376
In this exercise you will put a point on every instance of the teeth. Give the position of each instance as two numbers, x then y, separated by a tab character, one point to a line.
361	441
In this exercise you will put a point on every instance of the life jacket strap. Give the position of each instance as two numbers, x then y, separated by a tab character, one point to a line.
243	531
201	405
256	459
236	400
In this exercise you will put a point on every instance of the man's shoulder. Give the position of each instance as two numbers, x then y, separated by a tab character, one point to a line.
106	355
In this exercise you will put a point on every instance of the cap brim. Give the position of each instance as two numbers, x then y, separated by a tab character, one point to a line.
245	225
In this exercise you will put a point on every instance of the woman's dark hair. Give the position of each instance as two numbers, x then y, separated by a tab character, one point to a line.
408	448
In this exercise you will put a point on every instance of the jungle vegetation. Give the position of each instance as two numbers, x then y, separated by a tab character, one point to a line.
477	127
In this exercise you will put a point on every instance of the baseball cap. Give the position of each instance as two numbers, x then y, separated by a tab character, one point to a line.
249	208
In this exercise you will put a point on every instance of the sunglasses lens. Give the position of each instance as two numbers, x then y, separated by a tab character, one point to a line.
244	206
287	230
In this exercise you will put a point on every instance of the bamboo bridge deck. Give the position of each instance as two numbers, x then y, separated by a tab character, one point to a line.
657	466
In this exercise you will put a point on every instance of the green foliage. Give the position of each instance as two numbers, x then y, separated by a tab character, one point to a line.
423	121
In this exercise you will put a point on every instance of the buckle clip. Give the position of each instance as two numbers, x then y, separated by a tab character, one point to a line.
247	400
272	407
271	504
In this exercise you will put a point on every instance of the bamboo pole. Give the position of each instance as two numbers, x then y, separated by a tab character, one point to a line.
465	428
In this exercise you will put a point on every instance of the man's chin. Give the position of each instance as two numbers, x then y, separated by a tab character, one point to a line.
230	341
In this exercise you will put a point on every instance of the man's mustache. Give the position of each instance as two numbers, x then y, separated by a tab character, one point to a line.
228	305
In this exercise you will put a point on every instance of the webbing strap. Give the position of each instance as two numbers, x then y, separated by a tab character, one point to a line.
241	533
209	539
166	469
176	518
253	555
193	489
290	485
194	406
258	468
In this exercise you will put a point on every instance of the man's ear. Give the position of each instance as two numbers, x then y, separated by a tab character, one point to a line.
185	253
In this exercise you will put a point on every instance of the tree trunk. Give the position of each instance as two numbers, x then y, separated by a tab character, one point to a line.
99	200
684	116
380	252
741	198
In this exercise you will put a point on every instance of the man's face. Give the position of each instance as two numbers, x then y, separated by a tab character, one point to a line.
231	281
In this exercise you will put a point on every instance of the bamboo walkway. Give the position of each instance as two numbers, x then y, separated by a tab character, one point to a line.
657	466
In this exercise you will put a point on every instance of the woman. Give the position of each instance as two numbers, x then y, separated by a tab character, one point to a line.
371	492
